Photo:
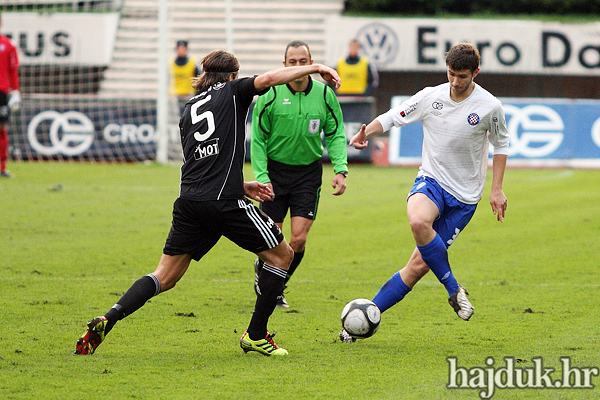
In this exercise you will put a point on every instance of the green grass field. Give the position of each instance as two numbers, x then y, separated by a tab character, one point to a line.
75	236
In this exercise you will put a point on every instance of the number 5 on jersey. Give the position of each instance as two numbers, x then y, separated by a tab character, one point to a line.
207	115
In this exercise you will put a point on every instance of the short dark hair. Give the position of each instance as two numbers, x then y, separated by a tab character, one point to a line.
295	44
217	66
463	56
182	43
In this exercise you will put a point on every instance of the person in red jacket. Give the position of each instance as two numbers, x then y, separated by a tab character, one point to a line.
10	97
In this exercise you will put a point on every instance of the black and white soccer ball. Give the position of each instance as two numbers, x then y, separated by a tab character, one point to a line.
361	318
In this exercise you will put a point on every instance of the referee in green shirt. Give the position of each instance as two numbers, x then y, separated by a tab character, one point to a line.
286	150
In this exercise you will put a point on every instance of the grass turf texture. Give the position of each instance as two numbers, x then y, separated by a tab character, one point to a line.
75	236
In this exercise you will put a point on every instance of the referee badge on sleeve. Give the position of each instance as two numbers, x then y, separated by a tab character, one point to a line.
314	126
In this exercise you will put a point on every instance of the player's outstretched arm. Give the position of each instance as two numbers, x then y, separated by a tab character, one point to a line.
284	75
498	200
259	191
359	141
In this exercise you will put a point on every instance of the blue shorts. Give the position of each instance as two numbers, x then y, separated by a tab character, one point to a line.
454	215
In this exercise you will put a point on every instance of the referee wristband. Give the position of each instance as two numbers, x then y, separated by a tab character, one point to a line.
343	173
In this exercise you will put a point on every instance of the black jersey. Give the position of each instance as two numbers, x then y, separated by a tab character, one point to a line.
213	134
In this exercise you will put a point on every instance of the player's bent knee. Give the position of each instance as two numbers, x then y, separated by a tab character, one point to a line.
170	270
298	244
280	256
166	282
419	225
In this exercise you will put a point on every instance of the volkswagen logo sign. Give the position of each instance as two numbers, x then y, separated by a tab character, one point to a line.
70	133
379	43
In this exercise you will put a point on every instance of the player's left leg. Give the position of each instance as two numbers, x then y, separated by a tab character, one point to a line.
253	230
401	283
269	289
398	286
276	209
299	241
169	271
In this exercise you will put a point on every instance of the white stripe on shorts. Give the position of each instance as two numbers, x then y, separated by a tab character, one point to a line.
261	225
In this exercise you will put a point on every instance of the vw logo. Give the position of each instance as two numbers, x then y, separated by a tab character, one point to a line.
379	43
535	130
437	105
70	133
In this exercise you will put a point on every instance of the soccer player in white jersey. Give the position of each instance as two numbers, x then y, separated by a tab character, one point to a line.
460	119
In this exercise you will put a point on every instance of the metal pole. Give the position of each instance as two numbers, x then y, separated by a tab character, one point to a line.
162	111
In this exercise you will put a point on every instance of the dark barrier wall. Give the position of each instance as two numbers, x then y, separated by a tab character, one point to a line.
84	129
118	130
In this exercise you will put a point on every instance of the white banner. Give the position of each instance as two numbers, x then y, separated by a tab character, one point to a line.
62	38
506	46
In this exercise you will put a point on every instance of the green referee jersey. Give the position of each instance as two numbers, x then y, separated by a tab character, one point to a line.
287	125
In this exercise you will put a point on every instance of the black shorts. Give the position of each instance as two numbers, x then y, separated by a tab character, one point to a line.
198	225
296	187
4	109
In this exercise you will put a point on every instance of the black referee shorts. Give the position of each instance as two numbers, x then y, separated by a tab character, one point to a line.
198	225
296	187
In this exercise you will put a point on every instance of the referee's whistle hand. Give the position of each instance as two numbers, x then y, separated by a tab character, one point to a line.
339	184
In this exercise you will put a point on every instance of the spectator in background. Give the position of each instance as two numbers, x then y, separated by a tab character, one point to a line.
359	77
183	69
10	97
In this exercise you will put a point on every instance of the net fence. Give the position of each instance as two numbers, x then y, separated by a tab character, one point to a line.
90	70
83	96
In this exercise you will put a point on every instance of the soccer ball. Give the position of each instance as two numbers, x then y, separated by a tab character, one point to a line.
361	318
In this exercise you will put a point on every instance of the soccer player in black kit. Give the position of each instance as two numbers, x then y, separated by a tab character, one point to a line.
213	198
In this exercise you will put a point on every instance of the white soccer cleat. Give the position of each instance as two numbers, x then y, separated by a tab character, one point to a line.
461	304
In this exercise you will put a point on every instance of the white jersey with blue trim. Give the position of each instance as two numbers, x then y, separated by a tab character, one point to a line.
456	136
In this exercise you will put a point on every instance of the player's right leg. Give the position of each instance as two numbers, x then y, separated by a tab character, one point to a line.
398	286
169	271
188	239
422	212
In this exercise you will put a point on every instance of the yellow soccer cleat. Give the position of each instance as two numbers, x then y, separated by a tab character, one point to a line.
264	346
